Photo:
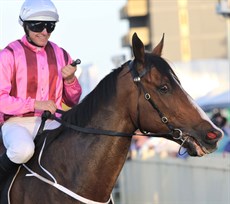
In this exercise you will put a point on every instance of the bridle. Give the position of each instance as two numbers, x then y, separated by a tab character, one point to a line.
175	133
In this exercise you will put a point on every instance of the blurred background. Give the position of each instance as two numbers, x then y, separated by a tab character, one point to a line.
197	46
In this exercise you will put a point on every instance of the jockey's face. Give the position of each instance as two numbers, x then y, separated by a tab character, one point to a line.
39	38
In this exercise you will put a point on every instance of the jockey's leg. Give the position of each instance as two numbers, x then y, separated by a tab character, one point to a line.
18	142
19	149
18	137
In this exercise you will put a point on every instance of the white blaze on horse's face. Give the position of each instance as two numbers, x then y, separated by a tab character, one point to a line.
194	130
203	115
206	141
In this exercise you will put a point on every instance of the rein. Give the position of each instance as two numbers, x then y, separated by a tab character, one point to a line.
47	115
175	133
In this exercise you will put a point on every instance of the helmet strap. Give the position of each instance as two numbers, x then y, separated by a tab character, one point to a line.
28	36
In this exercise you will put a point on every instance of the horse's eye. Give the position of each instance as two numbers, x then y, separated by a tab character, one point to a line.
163	89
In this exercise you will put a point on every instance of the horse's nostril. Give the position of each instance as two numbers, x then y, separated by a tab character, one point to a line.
215	134
211	135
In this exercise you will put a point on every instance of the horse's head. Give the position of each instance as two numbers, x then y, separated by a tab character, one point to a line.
164	106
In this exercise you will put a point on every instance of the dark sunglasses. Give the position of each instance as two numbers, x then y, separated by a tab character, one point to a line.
39	26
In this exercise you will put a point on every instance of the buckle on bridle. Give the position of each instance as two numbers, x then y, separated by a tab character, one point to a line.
179	137
147	96
164	119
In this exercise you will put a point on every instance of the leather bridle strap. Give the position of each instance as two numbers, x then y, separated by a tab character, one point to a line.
147	96
137	79
87	130
48	115
92	130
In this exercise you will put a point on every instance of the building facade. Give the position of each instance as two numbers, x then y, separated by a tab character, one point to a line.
193	29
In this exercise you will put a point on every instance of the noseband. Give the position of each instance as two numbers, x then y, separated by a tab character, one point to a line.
175	133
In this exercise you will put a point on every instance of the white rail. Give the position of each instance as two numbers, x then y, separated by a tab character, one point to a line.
203	180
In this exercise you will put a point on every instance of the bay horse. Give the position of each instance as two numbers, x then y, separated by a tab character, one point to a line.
87	152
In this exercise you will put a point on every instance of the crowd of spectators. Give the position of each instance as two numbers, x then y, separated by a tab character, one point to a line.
221	121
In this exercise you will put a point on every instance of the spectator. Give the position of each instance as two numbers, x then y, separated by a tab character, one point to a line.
219	120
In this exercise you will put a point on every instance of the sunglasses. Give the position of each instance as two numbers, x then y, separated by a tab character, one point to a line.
39	26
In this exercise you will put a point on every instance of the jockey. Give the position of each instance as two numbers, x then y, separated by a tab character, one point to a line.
35	75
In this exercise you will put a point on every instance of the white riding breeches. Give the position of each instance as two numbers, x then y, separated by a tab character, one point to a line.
18	135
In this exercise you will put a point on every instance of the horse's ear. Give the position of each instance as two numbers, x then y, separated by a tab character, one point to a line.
158	49
138	48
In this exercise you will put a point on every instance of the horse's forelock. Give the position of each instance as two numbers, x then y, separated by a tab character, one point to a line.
162	66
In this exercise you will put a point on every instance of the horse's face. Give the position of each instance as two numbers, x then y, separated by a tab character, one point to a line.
163	98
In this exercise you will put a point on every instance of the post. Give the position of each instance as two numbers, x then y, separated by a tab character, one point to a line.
228	32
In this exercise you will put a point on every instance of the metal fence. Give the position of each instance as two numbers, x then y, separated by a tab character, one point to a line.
203	180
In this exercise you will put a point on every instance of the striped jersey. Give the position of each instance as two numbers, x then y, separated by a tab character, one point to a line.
29	73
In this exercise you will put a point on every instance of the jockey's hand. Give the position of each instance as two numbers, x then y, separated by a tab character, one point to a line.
68	73
45	105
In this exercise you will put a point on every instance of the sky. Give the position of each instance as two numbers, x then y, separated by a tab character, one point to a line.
88	29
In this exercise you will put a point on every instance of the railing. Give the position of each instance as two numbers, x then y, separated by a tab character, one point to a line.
203	180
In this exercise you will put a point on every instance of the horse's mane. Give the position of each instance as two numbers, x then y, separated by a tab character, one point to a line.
100	96
106	89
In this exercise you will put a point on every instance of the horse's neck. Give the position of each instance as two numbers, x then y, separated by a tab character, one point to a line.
93	162
88	163
107	154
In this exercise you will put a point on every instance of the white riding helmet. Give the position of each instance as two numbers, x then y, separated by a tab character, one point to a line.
38	10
